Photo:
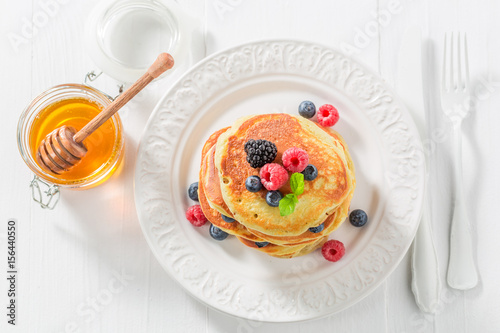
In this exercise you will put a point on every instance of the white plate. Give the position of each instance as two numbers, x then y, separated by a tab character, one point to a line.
265	77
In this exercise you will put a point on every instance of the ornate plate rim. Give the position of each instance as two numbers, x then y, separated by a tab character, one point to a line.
412	163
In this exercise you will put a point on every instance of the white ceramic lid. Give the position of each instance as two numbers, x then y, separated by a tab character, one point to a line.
124	37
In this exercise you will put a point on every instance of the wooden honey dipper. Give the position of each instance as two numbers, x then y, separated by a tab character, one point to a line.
63	148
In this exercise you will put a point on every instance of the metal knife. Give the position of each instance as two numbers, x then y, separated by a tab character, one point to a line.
426	284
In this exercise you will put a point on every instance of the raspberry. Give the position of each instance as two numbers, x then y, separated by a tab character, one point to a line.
327	115
195	215
273	176
333	250
295	159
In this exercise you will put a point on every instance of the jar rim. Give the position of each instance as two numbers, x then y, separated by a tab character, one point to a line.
39	103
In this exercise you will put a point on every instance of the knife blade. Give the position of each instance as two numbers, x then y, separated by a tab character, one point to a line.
426	284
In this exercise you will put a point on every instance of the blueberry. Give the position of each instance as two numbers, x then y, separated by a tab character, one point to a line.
317	229
217	233
227	218
307	109
310	172
273	198
253	184
261	244
358	218
193	191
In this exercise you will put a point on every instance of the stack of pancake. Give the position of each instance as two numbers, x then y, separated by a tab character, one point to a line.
326	199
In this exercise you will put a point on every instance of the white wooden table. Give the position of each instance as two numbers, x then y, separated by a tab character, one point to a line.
86	267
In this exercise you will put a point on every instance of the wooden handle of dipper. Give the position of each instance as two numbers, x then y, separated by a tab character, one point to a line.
161	64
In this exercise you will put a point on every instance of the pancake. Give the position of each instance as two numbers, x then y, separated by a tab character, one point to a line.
209	176
246	236
209	187
330	224
233	228
212	140
309	248
321	197
280	251
325	200
210	180
308	237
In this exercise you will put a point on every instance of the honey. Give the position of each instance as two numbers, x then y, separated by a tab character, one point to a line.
77	112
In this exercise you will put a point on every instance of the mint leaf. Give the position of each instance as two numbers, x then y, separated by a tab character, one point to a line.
297	183
287	204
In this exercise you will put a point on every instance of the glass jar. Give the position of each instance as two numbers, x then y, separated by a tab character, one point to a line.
31	130
124	37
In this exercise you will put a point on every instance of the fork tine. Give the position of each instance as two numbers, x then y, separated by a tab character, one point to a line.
443	79
466	54
460	85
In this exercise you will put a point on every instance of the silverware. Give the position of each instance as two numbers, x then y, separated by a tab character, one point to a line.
455	101
426	284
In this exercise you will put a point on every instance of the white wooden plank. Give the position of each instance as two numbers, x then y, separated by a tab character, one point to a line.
481	180
369	314
396	17
15	60
230	23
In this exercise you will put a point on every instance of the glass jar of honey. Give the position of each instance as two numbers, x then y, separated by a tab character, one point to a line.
122	37
74	105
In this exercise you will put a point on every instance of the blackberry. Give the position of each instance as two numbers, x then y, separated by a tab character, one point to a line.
260	152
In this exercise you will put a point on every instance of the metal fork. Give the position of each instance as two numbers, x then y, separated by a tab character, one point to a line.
455	101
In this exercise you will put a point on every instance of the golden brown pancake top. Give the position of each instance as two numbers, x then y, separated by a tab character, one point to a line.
321	196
